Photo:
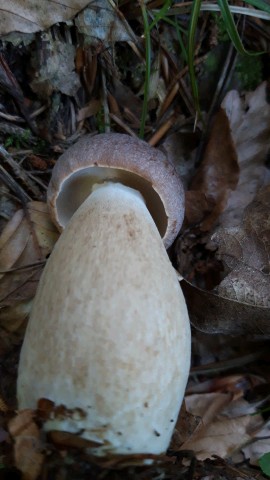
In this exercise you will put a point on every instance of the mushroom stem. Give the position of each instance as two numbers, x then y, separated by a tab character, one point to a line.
109	335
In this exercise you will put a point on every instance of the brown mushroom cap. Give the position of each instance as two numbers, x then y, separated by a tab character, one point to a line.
118	158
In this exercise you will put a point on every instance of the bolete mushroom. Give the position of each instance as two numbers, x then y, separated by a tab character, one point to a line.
109	337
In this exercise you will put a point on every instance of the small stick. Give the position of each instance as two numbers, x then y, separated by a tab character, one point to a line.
224	365
13	186
107	126
162	130
20	173
11	118
123	125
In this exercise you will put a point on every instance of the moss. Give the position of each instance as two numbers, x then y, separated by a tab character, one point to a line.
211	62
222	35
249	71
18	140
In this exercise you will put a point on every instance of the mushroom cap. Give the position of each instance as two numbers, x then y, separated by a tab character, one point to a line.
118	158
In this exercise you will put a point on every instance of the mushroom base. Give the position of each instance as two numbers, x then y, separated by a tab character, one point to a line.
109	337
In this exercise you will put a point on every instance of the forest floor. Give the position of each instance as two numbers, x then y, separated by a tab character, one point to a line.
151	70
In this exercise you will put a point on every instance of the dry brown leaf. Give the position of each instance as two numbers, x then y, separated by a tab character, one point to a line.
12	242
27	449
186	426
100	21
259	446
212	313
217	175
125	97
207	405
222	438
90	109
180	149
32	16
25	243
198	206
219	434
54	68
240	303
249	118
245	250
232	383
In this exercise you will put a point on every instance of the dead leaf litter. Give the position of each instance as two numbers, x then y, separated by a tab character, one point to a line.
71	68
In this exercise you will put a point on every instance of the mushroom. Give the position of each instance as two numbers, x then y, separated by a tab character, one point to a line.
108	340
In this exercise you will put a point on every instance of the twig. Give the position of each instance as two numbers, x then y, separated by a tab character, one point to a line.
10	85
122	124
13	186
227	364
40	110
12	118
20	173
107	126
162	130
37	180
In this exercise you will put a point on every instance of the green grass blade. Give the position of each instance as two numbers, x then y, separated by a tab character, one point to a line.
195	12
160	14
180	41
175	24
231	27
179	31
260	4
147	68
264	463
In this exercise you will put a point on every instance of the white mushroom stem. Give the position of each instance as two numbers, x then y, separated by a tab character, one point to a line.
109	331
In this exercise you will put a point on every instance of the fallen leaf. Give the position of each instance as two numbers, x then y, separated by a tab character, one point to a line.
180	150
125	97
101	22
245	250
217	175
259	446
212	313
207	405
31	16
90	109
233	384
54	68
219	434
25	243
222	438
185	427
237	301
197	206
249	118
27	449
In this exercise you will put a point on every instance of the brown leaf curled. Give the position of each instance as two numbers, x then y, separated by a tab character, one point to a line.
217	175
27	450
25	242
245	251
